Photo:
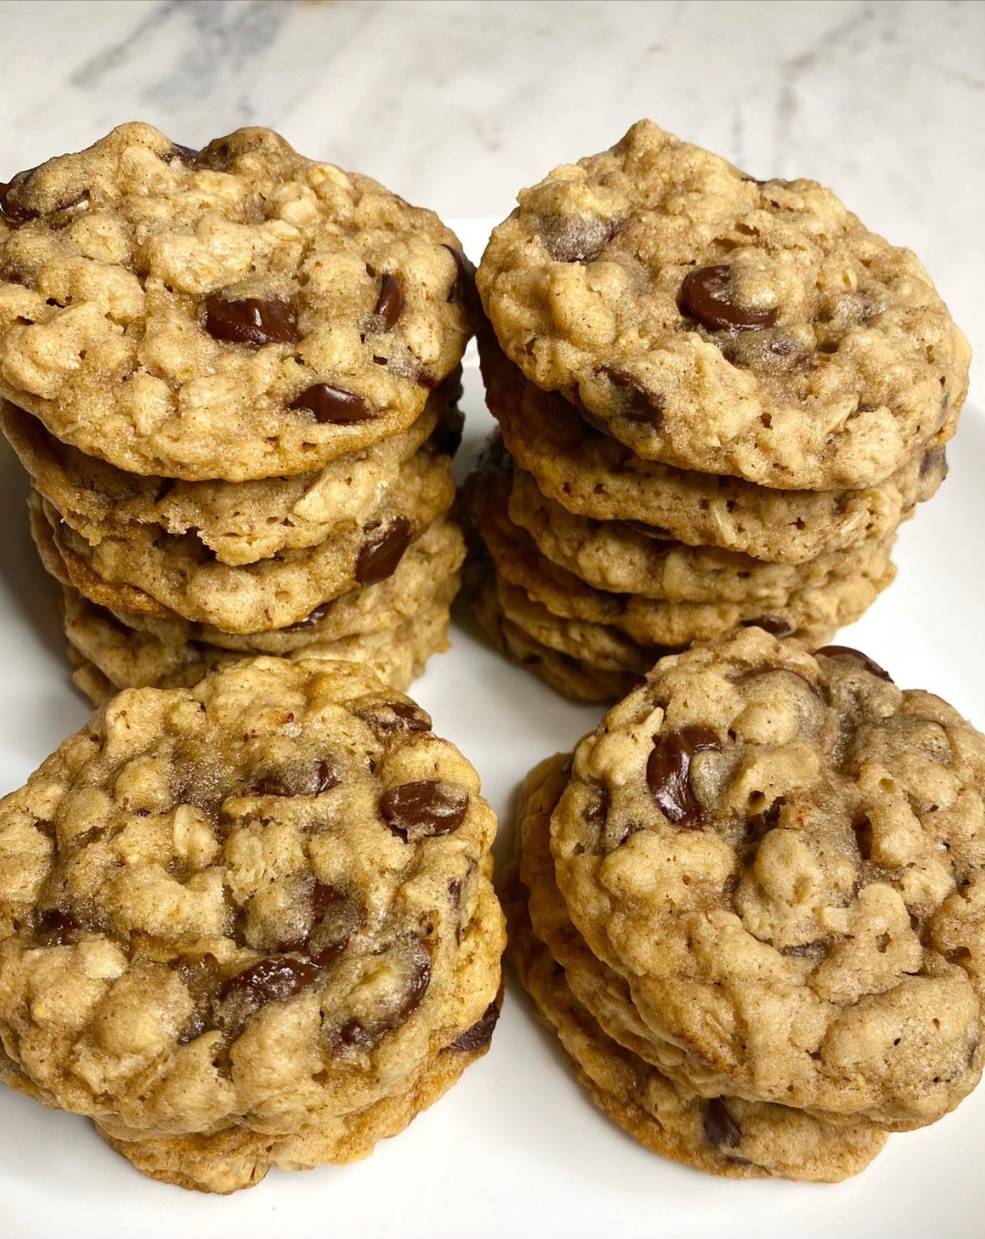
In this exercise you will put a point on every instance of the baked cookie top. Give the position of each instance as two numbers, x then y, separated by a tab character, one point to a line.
783	855
719	323
236	312
247	898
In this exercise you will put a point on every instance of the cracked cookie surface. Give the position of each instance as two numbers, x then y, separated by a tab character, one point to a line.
783	856
239	311
722	324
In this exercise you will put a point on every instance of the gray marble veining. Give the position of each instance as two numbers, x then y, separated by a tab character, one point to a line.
457	104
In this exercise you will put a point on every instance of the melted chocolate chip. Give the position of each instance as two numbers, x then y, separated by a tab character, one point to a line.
720	1127
424	809
775	625
634	399
933	460
706	295
576	238
389	304
464	282
250	321
332	405
184	154
668	772
364	1033
337	915
11	208
480	1034
846	651
317	614
298	780
271	980
382	550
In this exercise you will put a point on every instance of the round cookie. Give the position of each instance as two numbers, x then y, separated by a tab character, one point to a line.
593	475
427	573
240	311
810	614
262	903
240	522
721	1135
622	557
150	573
110	656
718	323
782	856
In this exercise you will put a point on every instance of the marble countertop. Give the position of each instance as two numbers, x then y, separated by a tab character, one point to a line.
457	104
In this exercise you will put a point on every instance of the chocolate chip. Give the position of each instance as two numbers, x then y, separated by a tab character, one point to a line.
250	320
720	1127
424	809
55	925
184	154
480	1034
933	460
464	282
576	238
706	295
775	625
298	780
271	980
846	651
332	405
633	398
336	917
382	550
366	1033
597	809
317	614
11	208
668	772
389	304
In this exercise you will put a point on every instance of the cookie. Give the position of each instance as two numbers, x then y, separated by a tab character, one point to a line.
258	904
239	522
781	855
811	614
720	1135
567	674
427	574
622	557
717	323
237	312
124	657
153	574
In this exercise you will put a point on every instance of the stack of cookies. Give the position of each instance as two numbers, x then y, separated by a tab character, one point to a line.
232	376
752	907
248	924
718	398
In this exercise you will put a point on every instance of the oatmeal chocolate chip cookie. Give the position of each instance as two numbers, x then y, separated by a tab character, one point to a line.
782	855
427	574
623	557
157	574
110	655
718	323
239	522
240	311
593	475
259	903
810	614
567	674
720	1134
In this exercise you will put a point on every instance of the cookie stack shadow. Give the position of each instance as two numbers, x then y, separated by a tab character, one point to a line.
163	580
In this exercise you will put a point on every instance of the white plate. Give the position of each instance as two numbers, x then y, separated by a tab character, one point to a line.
515	1149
